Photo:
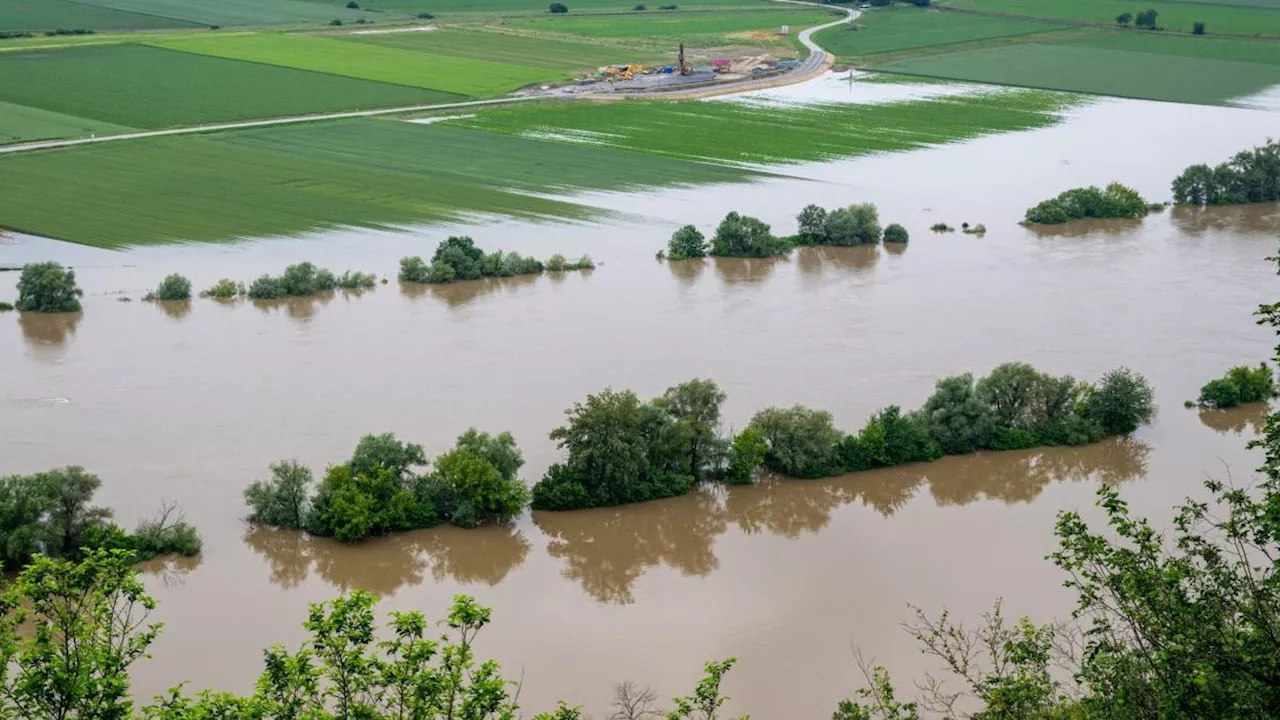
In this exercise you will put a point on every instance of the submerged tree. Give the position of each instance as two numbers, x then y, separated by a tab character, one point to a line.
47	287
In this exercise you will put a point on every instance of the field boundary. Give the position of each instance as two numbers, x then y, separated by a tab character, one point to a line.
1112	26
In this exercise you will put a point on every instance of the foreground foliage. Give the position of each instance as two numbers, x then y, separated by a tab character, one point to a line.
1250	176
386	487
47	287
1116	201
1241	384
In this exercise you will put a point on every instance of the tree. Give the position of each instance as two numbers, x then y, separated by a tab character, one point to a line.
174	287
854	225
1196	186
283	500
1146	19
802	442
1197	28
472	490
746	453
1249	176
744	236
557	7
1220	393
70	515
1114	201
461	254
1010	390
686	243
694	406
957	417
385	452
706	701
1242	384
1124	18
47	287
812	220
895	233
1121	403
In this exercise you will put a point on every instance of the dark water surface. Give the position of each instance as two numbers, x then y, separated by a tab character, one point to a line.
191	402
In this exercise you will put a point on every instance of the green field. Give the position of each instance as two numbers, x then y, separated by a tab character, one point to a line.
702	28
532	6
462	76
1173	16
239	12
38	15
19	123
147	87
1178	69
892	29
565	56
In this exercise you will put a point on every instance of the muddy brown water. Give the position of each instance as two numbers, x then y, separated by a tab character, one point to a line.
191	402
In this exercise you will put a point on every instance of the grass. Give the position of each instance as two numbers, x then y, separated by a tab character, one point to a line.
732	132
565	56
701	29
462	76
1173	16
147	87
39	15
1191	70
532	6
240	12
902	28
19	123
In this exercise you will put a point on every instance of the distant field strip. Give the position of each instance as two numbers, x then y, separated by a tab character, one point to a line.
1102	66
567	56
1180	16
38	15
675	27
893	29
148	87
462	76
741	133
19	123
532	6
240	12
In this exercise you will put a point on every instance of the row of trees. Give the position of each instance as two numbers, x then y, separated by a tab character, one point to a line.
458	258
1248	177
51	514
305	279
1240	385
1116	201
1145	20
740	235
387	487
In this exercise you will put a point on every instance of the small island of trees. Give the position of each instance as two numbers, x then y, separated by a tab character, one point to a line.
47	287
743	236
1251	176
1115	201
1241	385
458	258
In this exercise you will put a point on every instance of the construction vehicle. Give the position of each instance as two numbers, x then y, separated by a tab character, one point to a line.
685	68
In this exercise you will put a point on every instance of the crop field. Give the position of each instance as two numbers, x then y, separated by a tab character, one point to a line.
239	12
39	15
19	123
564	56
1173	16
147	87
462	76
1123	64
733	132
893	29
535	6
703	28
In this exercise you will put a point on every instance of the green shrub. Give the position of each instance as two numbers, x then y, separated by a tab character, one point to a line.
266	288
335	22
978	229
891	438
854	225
441	272
426	16
746	454
584	263
957	417
283	501
224	288
1116	201
174	287
558	7
556	263
1121	402
1220	393
1241	384
477	481
895	233
686	243
1007	438
812	225
353	5
167	534
352	280
640	8
744	236
941	227
6	307
802	442
48	287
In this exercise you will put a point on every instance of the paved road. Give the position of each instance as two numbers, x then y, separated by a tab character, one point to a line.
814	65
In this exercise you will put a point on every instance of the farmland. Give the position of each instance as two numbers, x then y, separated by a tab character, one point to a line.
39	15
147	87
461	76
563	56
237	12
531	6
19	123
1173	15
702	28
895	29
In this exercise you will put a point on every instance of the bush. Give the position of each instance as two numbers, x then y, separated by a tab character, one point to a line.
1220	393
6	307
745	455
802	442
335	22
668	7
1146	19
174	287
584	263
854	225
1242	384
283	501
353	5
1116	201
895	233
957	417
978	229
744	236
556	263
811	221
477	481
224	288
1121	403
686	243
1007	438
1123	19
48	287
640	8
351	280
167	534
1197	28
266	288
441	272
941	227
557	7
426	16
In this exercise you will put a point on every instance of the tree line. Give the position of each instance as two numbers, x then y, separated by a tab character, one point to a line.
1116	201
458	258
744	236
1250	176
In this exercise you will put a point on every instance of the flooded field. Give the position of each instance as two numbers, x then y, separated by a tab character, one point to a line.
191	402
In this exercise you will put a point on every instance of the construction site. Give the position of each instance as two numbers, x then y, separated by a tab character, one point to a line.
684	74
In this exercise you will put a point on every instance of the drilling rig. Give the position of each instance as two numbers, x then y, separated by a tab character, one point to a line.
685	68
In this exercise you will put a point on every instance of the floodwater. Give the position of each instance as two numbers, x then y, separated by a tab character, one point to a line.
191	402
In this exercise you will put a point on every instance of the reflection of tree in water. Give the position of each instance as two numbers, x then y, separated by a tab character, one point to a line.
301	309
1236	420
458	294
1021	475
895	248
744	271
48	330
384	565
1253	218
785	507
815	260
175	309
1088	227
607	549
172	570
687	272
